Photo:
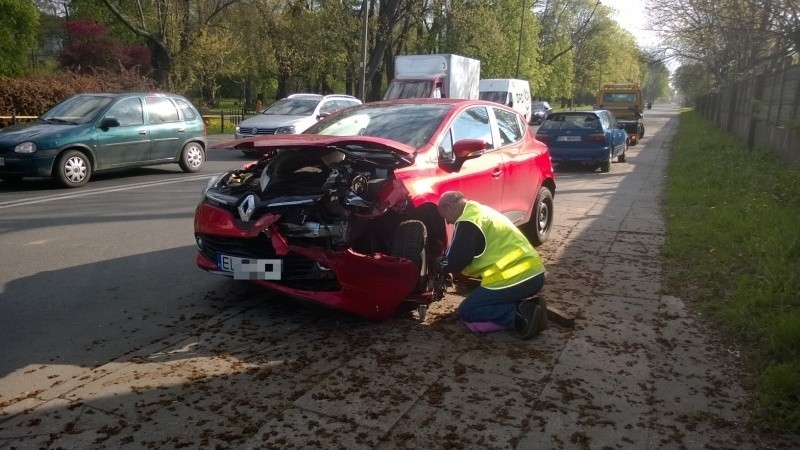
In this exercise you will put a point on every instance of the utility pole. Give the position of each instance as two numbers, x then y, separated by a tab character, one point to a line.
519	47
364	21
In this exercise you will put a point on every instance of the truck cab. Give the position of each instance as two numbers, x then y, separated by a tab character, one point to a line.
625	101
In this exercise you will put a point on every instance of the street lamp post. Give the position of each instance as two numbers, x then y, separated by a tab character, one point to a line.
364	18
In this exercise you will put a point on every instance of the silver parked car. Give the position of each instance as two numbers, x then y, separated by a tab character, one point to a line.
293	114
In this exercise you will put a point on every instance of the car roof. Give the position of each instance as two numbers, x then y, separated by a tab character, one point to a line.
320	96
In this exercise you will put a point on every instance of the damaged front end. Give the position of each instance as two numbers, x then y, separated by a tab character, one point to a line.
316	222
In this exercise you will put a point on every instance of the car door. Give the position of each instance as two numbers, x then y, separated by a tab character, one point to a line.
521	176
618	134
127	143
480	179
167	131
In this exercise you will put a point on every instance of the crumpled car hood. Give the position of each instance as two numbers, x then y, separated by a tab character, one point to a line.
266	144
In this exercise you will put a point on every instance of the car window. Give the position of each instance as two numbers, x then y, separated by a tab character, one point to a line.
292	107
127	111
508	125
161	110
186	109
328	107
78	109
409	124
473	124
445	149
571	122
619	97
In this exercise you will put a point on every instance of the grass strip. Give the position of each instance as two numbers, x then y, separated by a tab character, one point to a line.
733	251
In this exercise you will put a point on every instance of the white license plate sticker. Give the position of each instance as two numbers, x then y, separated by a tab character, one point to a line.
250	269
569	138
2	161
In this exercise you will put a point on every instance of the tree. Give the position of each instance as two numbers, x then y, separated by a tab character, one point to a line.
89	47
18	27
169	27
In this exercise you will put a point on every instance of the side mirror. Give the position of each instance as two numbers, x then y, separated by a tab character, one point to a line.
321	116
469	149
108	122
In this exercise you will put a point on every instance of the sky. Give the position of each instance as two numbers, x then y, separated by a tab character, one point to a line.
632	16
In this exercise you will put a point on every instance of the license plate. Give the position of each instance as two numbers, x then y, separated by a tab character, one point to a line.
2	161
250	269
569	138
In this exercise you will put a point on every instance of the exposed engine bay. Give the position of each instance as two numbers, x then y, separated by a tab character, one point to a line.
332	197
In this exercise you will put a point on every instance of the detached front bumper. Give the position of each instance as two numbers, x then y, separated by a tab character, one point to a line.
366	285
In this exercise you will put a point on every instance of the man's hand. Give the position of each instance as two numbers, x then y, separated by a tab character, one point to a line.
438	266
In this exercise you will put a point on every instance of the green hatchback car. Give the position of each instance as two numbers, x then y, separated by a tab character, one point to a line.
93	132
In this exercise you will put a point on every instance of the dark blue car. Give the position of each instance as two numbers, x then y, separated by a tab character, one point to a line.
584	137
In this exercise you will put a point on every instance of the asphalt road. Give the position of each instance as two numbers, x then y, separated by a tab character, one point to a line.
112	338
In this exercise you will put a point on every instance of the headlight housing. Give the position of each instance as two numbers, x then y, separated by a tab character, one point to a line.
288	129
238	130
211	183
25	147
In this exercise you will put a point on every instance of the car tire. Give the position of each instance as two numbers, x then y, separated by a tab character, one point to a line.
606	165
641	131
409	241
621	156
73	169
538	228
192	157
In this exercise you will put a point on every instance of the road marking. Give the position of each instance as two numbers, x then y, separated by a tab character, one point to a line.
86	193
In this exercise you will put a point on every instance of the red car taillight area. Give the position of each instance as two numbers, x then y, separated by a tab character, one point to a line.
597	137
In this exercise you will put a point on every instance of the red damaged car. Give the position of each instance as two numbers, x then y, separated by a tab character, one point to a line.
345	214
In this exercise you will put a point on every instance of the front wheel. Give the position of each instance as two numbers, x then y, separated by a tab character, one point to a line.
409	242
192	157
73	169
538	228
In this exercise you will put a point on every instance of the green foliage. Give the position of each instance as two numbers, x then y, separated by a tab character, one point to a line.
733	248
18	27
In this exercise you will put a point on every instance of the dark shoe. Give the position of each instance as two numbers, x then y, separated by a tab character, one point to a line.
541	302
528	320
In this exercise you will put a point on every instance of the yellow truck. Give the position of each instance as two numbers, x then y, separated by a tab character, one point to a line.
625	101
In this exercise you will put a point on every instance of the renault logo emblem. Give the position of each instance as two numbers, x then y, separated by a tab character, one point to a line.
246	207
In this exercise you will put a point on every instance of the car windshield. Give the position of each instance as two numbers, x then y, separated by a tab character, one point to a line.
409	89
77	110
619	97
410	124
539	105
494	96
292	107
571	122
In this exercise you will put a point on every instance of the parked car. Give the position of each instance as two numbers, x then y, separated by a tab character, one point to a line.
539	112
293	114
345	214
586	137
93	132
648	105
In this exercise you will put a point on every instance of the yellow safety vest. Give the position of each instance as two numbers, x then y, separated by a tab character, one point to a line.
509	258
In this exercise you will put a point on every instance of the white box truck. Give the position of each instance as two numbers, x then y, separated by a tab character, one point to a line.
509	92
434	76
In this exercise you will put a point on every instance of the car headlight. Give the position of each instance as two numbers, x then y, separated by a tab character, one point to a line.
211	183
289	129
25	147
238	130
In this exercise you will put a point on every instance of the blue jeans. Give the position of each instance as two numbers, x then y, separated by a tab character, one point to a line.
498	305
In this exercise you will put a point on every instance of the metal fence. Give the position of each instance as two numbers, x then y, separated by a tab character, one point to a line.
763	111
